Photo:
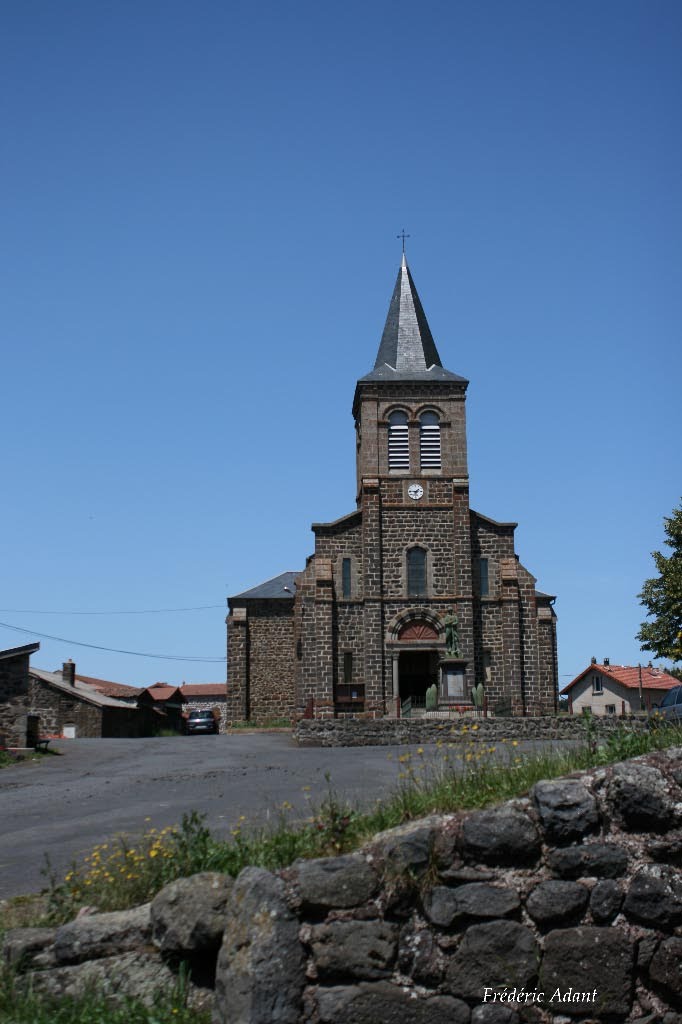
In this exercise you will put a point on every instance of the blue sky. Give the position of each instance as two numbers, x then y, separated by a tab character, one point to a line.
199	210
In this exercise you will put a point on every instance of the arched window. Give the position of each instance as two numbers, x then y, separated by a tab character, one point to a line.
416	572
398	441
429	441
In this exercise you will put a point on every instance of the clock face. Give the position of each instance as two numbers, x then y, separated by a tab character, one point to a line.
415	491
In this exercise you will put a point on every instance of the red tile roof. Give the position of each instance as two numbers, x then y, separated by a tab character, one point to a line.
110	689
161	691
204	689
628	676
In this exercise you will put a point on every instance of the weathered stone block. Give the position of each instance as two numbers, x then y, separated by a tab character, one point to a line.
605	901
603	860
389	1004
419	956
639	798
102	935
337	882
668	849
665	969
188	915
136	975
363	950
567	810
557	902
494	954
261	966
586	959
443	905
654	897
408	848
20	945
500	836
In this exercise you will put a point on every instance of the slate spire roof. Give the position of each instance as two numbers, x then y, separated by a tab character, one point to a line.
407	350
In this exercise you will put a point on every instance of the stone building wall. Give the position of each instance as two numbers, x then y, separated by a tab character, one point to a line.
260	662
13	699
57	708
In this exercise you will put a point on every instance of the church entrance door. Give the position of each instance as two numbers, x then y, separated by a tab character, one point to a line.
417	671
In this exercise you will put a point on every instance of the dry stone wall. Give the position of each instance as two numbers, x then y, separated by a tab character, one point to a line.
562	906
390	731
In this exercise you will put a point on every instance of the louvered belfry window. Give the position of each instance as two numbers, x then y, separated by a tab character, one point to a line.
398	441
429	441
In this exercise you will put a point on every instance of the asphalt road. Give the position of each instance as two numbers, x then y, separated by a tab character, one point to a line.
63	806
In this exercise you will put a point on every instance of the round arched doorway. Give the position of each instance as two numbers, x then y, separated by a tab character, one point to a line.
416	644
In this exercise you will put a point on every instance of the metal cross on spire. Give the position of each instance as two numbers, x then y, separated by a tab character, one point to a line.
403	236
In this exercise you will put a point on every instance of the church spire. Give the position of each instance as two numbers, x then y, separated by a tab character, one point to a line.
407	350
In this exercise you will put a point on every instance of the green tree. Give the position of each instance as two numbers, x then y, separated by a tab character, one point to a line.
662	597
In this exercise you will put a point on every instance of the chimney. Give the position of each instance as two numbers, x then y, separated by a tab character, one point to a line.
69	672
594	660
607	661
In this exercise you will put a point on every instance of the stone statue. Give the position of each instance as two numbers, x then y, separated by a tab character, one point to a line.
451	633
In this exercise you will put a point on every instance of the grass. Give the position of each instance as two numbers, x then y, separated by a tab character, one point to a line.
19	1006
118	875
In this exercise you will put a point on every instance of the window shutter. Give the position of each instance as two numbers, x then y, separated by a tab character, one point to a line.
429	441
398	441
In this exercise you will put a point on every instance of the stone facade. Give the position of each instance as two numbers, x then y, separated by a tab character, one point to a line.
14	688
357	635
260	661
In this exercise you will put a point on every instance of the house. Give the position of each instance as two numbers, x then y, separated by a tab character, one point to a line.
608	689
34	703
410	589
163	705
15	728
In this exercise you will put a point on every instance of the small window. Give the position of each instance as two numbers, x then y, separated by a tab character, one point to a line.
487	667
610	709
429	441
596	685
398	441
345	577
416	572
348	667
586	709
483	576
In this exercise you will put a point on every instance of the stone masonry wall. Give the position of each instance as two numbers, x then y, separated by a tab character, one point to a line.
565	905
391	731
271	669
13	697
57	709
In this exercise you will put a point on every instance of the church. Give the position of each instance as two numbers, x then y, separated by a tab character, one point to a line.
412	591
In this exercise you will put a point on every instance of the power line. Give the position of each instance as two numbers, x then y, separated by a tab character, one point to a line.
113	650
141	611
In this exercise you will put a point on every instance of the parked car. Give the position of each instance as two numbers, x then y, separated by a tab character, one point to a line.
669	711
201	722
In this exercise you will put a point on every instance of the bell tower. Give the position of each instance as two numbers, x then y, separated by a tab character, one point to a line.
413	490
